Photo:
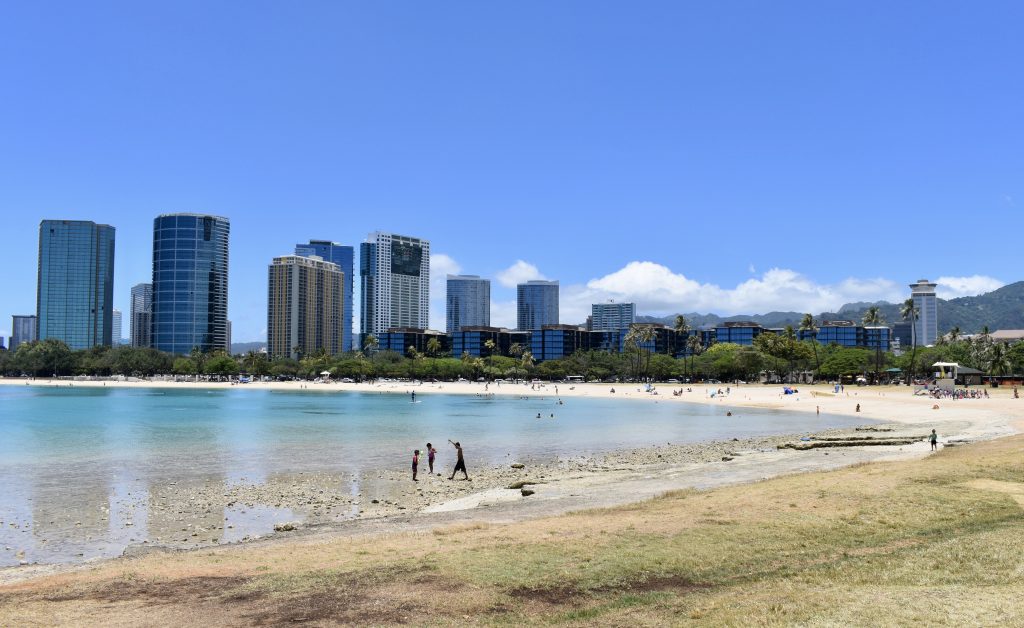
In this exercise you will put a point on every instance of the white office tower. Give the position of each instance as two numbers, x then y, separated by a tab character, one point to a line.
395	283
923	293
608	316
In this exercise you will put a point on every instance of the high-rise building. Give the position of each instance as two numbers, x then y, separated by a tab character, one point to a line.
927	329
23	328
468	302
305	306
608	316
536	304
75	291
344	257
115	326
140	321
190	283
395	277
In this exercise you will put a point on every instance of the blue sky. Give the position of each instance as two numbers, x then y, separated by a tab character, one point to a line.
729	157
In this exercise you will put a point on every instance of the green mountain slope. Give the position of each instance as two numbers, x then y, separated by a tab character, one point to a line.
999	309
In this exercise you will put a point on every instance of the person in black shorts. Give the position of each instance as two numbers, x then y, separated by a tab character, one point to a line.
460	464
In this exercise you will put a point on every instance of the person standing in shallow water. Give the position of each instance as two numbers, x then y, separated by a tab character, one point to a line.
933	438
415	464
460	464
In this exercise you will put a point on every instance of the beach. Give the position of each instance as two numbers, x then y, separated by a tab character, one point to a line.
186	515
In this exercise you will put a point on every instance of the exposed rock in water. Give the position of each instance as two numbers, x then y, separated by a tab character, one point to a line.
284	527
819	444
523	483
527	492
518	465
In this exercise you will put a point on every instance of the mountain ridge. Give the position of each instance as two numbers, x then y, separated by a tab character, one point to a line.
1002	308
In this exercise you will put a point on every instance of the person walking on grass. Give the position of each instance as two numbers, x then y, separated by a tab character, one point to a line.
933	438
460	464
415	464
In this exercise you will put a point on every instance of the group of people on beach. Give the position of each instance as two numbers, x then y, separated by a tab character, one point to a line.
960	393
460	462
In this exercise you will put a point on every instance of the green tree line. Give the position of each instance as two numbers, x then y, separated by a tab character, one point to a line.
782	355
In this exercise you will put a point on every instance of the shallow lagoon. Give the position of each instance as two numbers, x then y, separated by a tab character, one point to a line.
79	467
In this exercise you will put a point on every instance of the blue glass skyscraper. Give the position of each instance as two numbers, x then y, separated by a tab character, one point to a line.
190	283
536	304
75	290
468	302
344	257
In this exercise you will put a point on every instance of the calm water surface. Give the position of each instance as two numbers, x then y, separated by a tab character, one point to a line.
98	451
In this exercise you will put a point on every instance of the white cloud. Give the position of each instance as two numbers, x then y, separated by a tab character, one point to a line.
441	266
503	314
657	290
751	268
953	287
518	273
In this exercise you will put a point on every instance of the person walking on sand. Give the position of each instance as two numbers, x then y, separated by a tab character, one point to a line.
933	438
431	452
460	464
415	463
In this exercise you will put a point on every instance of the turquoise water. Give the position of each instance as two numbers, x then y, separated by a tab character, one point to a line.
100	451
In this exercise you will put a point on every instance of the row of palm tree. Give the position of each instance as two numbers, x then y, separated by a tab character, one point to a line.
694	345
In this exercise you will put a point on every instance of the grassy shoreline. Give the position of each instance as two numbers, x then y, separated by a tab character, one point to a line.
934	540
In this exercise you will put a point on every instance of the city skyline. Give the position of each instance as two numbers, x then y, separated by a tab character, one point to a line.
582	296
747	168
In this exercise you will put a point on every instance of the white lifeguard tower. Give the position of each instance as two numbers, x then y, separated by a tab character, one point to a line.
945	375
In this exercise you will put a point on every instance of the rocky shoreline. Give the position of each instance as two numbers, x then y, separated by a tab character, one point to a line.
210	512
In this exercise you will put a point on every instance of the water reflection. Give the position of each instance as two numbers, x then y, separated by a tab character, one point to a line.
86	472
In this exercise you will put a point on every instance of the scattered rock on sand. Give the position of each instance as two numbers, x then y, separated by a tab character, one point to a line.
518	465
284	527
527	492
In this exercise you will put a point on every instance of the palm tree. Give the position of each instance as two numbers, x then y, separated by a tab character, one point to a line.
910	312
682	328
415	356
998	360
526	360
370	343
873	318
954	334
256	362
433	347
694	347
807	325
633	339
490	345
644	336
788	346
198	360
